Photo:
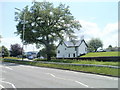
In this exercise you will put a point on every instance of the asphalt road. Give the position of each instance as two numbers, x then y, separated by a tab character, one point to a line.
25	76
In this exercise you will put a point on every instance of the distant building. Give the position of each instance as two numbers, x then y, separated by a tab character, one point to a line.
69	49
31	53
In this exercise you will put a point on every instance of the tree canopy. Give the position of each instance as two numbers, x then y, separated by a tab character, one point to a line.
5	51
16	50
94	44
43	52
45	24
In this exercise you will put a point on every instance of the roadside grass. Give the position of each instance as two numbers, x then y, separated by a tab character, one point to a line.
101	54
73	61
11	58
81	61
97	70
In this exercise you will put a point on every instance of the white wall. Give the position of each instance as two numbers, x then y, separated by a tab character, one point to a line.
82	48
70	50
61	49
65	53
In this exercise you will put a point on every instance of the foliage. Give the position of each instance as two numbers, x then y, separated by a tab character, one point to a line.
5	51
16	50
101	54
44	51
45	24
94	44
110	48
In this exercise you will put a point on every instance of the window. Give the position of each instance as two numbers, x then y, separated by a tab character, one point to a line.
75	48
65	48
73	54
68	55
58	51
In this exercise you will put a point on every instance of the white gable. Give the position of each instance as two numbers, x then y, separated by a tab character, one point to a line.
71	49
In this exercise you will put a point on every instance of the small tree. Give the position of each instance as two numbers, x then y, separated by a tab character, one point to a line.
94	44
5	51
110	47
16	50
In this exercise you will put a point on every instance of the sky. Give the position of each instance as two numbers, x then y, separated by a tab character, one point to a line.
99	19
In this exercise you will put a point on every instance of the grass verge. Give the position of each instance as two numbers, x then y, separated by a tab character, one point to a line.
74	61
81	61
97	70
101	54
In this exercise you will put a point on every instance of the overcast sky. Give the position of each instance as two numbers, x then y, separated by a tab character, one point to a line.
99	19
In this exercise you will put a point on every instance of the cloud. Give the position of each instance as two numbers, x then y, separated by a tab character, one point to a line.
13	40
111	28
90	29
92	18
109	34
10	40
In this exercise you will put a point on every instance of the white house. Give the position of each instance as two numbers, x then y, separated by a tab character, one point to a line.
69	49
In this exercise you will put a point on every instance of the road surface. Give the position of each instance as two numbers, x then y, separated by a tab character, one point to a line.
25	76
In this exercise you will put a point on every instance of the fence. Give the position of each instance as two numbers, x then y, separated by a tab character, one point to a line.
112	58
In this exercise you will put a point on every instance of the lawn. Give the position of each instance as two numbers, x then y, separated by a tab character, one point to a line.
101	54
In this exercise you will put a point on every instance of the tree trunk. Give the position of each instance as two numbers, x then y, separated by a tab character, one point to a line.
48	57
48	49
48	52
95	50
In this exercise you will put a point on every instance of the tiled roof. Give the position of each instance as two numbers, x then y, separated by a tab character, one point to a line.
73	43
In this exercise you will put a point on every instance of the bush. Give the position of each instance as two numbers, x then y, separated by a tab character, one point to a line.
5	52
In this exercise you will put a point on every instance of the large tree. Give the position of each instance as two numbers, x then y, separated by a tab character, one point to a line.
45	24
16	50
94	44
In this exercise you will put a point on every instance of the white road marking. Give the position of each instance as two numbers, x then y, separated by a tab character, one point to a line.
107	77
81	83
52	75
1	86
58	77
27	66
113	78
8	68
68	79
10	84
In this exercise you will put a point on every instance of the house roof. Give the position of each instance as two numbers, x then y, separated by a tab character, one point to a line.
75	43
72	43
